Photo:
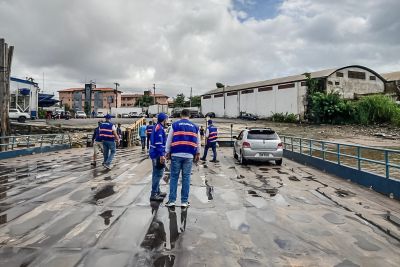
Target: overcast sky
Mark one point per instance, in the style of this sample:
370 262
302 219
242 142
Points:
179 44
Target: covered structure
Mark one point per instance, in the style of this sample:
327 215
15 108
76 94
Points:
24 96
288 94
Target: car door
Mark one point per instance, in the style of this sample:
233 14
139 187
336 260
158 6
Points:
238 141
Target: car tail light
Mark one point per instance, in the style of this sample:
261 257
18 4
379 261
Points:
246 145
280 146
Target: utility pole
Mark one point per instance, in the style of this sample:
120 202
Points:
154 94
6 54
190 99
116 94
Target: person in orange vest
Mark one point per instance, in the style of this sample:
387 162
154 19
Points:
211 141
108 134
183 147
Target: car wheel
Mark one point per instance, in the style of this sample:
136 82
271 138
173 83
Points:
242 159
278 162
21 119
234 153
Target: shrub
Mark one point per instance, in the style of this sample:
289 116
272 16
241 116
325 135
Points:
376 109
284 117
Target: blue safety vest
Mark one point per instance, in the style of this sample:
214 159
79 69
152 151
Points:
149 129
106 132
157 142
212 134
184 138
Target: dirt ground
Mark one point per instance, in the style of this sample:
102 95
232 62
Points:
377 136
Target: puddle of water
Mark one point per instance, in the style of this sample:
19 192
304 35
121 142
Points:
271 191
282 243
364 244
347 263
317 232
104 192
294 178
106 215
344 193
333 218
209 191
164 261
249 263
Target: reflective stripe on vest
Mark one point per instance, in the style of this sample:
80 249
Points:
149 129
106 132
212 134
184 138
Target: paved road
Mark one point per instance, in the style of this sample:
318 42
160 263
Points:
57 210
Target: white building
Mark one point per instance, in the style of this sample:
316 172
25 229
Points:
24 96
288 94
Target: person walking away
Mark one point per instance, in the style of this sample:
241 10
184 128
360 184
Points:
157 155
119 132
97 143
149 130
183 147
142 134
202 133
211 141
108 133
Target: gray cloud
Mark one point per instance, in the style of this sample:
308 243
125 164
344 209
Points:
189 43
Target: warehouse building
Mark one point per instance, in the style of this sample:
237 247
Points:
288 94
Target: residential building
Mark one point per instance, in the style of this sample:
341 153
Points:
101 98
288 94
130 99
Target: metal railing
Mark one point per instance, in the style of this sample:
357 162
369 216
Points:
16 142
379 161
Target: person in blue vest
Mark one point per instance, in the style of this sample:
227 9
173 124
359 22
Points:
183 147
157 155
149 130
97 143
142 134
211 141
108 134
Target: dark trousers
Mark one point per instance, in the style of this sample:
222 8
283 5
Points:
148 141
213 146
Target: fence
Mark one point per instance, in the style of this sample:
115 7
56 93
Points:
18 145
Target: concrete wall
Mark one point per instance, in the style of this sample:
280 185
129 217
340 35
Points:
349 86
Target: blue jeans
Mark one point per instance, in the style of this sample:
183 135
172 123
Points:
156 177
109 151
148 141
143 141
213 146
179 164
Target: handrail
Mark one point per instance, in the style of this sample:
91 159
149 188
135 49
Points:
16 142
390 157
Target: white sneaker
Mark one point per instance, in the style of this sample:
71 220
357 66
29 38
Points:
170 204
185 204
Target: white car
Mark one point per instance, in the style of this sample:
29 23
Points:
80 115
15 114
100 114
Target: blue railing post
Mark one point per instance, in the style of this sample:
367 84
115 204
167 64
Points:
13 142
310 147
301 148
291 142
28 142
359 158
323 150
338 154
387 163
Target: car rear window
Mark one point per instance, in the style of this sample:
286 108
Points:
262 135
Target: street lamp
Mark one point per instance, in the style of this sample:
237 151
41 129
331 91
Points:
116 94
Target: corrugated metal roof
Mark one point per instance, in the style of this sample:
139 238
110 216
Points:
283 80
391 76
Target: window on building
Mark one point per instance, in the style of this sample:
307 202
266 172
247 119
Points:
231 93
339 74
249 91
206 97
218 95
337 83
303 84
356 75
265 88
372 78
330 82
286 86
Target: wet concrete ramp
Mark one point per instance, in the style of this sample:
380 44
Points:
57 210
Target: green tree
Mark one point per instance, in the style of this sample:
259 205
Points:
179 101
196 101
144 101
